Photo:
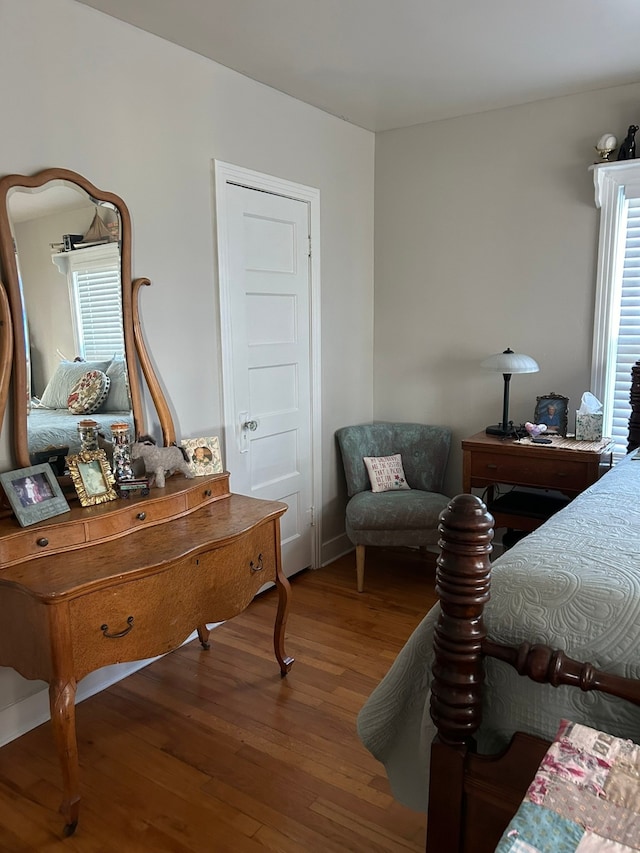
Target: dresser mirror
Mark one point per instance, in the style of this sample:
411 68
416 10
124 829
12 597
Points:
72 306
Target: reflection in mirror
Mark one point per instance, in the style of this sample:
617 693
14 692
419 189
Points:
68 259
65 256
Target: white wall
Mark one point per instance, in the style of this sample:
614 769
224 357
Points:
145 119
486 237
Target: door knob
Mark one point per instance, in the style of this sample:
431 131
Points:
251 425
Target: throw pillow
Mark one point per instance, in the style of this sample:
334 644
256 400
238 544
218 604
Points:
89 393
386 473
119 399
67 374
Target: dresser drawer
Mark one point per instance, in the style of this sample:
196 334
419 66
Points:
150 616
211 489
39 542
240 570
554 472
137 514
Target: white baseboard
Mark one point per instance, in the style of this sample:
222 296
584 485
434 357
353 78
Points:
334 548
28 713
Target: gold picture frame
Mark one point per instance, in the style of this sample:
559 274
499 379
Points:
92 477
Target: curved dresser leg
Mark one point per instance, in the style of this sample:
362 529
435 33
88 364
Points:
203 636
62 702
284 597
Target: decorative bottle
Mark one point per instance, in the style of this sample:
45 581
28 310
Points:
88 431
122 469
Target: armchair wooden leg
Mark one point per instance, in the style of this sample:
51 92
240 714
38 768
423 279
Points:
360 567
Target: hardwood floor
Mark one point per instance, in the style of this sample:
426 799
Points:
213 751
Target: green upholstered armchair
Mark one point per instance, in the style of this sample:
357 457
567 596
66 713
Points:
401 516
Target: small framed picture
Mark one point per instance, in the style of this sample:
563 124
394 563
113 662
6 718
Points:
204 455
552 410
92 477
34 493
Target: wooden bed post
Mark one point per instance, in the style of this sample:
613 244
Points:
462 582
634 399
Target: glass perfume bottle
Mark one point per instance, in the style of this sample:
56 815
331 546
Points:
122 469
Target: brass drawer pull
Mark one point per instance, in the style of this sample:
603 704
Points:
207 493
259 567
491 465
123 633
141 516
42 542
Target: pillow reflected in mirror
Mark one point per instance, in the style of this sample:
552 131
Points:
119 398
67 374
89 393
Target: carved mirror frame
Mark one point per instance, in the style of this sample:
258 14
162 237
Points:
13 312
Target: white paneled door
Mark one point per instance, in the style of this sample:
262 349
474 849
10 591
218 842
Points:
264 253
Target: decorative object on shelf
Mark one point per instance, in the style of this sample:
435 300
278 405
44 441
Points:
507 363
55 456
534 430
160 461
121 464
628 146
88 431
589 418
203 455
551 410
34 493
92 477
605 146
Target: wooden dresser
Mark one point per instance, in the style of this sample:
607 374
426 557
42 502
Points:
128 580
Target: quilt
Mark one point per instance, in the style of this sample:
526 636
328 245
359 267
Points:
584 798
573 584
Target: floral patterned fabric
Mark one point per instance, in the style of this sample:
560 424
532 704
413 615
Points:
585 797
89 393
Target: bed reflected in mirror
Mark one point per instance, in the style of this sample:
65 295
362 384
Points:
68 258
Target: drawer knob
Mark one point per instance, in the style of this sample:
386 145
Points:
118 634
141 516
42 542
207 493
257 567
491 465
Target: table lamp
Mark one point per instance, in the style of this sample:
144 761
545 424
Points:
508 362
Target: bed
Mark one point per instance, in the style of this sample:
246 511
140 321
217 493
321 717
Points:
53 422
459 729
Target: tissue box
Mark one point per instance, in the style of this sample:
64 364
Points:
588 427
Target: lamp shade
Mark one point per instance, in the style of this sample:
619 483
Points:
506 363
510 362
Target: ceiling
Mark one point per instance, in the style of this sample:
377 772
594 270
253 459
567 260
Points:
384 64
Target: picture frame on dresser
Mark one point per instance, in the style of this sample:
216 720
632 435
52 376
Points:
34 493
92 477
552 410
203 455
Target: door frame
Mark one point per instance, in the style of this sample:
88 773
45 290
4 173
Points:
227 173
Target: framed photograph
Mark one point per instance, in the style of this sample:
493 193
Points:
204 455
92 477
55 456
34 493
552 410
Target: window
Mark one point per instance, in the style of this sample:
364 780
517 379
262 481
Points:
96 301
616 339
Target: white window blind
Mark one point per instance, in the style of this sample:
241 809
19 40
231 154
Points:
627 335
96 297
616 333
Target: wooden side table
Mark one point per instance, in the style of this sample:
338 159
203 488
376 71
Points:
566 466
